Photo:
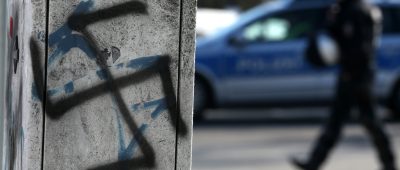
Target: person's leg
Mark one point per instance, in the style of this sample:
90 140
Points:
332 130
374 127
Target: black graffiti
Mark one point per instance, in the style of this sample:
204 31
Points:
56 110
14 102
16 56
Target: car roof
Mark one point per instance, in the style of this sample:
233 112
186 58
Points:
278 5
310 3
293 4
397 2
307 3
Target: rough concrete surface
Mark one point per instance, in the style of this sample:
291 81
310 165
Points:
3 67
186 81
115 82
23 115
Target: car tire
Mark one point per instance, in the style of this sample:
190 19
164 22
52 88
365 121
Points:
201 98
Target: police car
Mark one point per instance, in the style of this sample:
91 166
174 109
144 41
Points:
259 60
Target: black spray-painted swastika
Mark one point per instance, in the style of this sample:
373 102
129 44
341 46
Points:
161 67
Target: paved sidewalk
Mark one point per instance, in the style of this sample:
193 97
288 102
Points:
268 147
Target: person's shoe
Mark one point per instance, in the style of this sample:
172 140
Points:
389 169
389 166
300 164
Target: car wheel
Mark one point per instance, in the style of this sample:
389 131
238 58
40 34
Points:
201 96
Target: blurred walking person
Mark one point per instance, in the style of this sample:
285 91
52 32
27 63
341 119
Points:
355 26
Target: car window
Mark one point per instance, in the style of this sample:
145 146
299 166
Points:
391 17
387 20
283 26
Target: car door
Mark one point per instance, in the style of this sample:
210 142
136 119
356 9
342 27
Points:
265 60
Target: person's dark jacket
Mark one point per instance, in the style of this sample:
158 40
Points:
355 25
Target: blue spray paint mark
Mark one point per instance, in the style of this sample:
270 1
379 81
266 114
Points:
53 92
35 95
41 36
119 66
121 135
127 152
136 107
102 74
160 105
69 42
22 136
64 39
69 87
142 62
63 32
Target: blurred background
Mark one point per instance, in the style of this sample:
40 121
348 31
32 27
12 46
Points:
258 102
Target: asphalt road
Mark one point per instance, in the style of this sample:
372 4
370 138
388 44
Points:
255 140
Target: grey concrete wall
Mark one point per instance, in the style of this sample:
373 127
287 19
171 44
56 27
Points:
187 60
3 14
23 114
115 78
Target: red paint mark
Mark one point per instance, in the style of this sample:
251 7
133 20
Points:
11 26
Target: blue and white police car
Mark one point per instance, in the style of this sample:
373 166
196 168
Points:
259 60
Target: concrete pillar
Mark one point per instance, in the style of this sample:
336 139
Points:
100 84
3 14
23 115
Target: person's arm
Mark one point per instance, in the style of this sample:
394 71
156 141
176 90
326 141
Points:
371 26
